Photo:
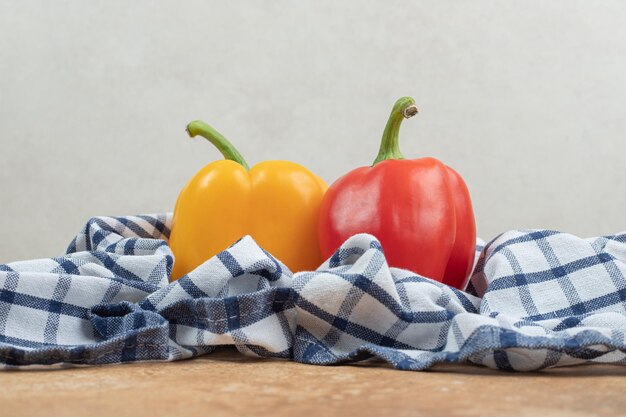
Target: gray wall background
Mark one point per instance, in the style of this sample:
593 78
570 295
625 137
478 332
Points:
525 99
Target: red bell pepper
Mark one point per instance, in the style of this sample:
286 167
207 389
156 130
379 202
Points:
420 210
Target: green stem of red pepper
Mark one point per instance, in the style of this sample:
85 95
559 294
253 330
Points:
227 149
389 148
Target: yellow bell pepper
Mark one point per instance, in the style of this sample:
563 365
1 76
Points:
276 202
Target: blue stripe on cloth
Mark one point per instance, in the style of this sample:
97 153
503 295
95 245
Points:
38 303
232 312
55 309
230 263
594 304
67 266
190 287
159 225
110 263
526 278
463 298
344 325
136 228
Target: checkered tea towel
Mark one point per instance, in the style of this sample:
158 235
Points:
537 299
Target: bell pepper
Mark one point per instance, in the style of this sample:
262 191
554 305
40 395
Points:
276 202
420 210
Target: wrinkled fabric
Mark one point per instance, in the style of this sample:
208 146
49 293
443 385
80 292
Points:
536 299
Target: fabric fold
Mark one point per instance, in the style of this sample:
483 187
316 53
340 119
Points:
536 299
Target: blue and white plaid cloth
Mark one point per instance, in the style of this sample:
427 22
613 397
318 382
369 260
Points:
537 299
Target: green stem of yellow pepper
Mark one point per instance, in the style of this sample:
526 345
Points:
227 149
389 148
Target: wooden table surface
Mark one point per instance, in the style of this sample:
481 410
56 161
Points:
228 384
